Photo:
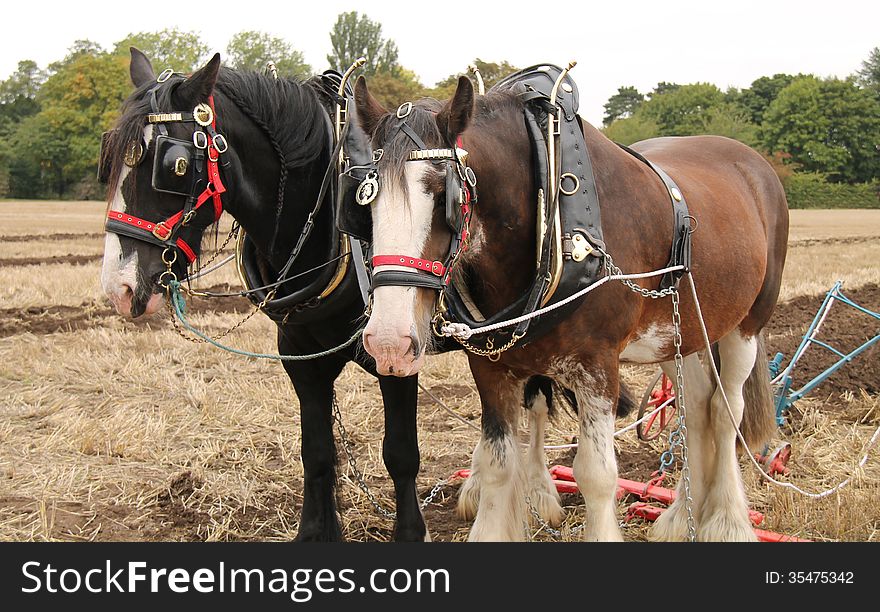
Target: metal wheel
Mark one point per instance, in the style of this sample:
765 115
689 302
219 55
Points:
662 397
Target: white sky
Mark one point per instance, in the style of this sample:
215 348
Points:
630 42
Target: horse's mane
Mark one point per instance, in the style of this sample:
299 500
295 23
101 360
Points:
288 110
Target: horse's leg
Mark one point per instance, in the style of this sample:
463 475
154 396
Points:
595 466
501 509
313 382
672 524
400 450
539 485
725 514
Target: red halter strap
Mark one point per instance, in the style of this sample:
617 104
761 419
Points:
424 265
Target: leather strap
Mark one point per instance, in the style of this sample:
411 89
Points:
146 231
422 265
413 136
681 228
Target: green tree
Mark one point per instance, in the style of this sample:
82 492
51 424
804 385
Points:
168 48
869 74
682 110
632 129
830 126
353 36
732 121
622 104
492 72
252 50
18 95
393 89
663 87
17 102
761 93
78 102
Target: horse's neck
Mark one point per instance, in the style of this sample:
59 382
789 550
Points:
252 184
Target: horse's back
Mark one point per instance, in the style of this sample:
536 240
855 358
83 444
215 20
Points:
736 198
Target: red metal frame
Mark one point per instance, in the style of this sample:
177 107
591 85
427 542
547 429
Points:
563 480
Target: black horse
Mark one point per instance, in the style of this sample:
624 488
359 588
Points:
269 143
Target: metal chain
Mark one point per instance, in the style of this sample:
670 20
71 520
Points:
556 533
257 308
492 353
679 436
612 270
361 481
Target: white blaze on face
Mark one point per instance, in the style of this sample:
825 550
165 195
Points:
119 276
400 227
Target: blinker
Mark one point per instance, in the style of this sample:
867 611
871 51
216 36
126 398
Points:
173 170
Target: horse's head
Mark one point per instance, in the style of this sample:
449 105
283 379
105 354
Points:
156 162
420 218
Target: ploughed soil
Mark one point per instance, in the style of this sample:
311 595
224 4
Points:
51 319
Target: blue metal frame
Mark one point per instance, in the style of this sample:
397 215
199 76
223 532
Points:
785 396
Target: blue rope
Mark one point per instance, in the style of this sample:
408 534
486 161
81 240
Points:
179 305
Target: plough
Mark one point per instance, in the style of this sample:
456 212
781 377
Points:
774 462
563 480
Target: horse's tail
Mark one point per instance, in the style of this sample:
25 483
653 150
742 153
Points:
759 416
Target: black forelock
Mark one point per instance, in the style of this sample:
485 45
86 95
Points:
396 144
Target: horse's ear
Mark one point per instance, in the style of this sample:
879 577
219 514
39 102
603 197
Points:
369 111
140 68
456 114
200 85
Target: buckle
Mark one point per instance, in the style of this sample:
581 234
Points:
200 139
404 110
437 268
220 144
161 231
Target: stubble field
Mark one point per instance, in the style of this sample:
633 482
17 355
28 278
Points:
120 430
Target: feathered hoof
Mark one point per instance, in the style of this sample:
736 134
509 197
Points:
469 498
726 526
671 526
546 503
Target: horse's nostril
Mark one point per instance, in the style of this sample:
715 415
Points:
127 291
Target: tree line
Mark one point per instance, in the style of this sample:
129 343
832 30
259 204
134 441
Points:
51 118
823 132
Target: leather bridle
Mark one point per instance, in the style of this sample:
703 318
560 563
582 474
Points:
188 168
461 196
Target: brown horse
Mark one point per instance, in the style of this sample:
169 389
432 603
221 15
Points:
738 254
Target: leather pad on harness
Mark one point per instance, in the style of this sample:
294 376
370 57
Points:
174 166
